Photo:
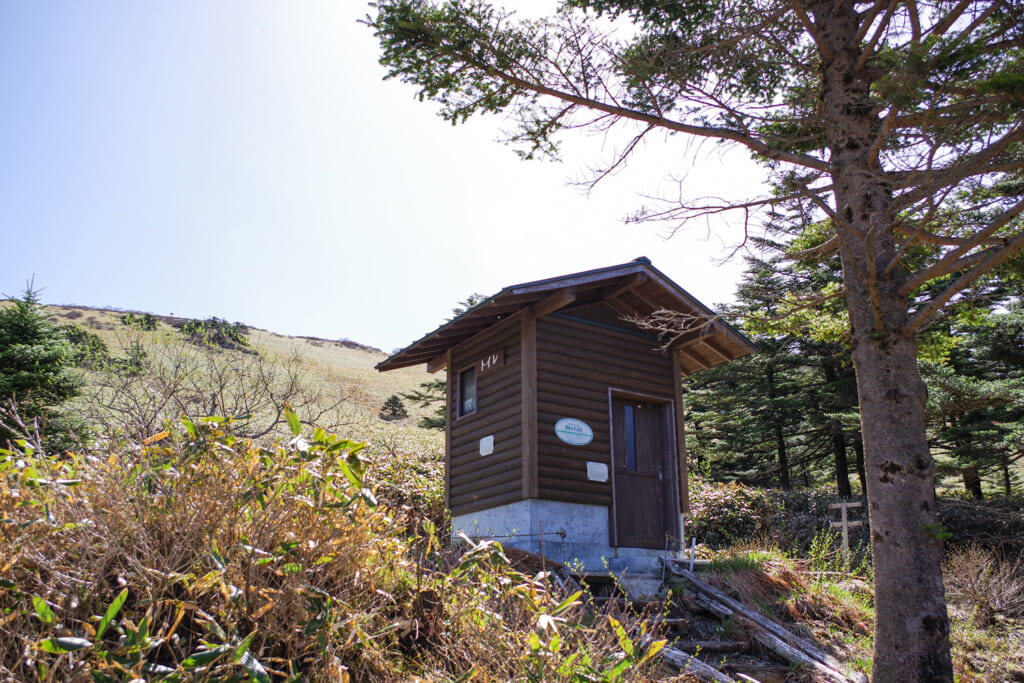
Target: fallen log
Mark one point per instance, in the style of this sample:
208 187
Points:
713 646
691 665
757 673
768 633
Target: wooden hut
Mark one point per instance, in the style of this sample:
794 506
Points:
564 426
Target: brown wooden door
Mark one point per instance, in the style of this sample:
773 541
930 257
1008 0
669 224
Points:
641 456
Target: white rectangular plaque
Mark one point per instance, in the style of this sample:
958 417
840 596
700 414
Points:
597 471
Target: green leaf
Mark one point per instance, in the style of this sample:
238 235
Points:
204 657
653 650
242 647
616 671
190 427
58 646
111 612
352 477
566 604
253 666
43 610
291 568
625 642
293 420
218 560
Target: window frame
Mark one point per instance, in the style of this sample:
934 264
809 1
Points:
459 408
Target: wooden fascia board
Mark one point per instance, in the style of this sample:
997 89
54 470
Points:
710 337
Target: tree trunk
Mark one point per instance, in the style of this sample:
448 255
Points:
858 449
912 626
972 482
1007 479
780 437
835 429
842 466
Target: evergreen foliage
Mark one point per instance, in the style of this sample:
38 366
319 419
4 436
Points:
88 350
144 321
393 408
217 332
897 127
431 393
36 375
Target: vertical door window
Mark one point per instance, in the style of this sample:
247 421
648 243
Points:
467 391
630 420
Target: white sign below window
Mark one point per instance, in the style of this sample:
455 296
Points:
597 471
487 445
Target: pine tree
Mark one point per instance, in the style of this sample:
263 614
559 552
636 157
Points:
36 375
393 408
898 124
431 393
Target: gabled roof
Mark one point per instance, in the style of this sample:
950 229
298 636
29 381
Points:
633 289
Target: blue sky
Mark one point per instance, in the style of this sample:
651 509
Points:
245 160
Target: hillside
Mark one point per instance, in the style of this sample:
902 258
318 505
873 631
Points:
347 364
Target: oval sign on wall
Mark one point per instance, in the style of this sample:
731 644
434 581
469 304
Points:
574 432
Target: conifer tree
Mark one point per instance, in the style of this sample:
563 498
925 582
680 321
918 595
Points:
36 374
899 124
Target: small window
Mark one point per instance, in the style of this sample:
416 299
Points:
630 439
467 391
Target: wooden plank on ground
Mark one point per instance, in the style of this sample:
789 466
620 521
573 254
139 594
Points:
769 633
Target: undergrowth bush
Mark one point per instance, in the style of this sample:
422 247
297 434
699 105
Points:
724 514
985 583
217 332
201 556
146 322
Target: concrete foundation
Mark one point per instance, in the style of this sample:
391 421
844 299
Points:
574 534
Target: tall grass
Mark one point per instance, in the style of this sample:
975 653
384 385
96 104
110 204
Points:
202 556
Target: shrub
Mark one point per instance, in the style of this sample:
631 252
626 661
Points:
984 583
393 409
217 332
88 350
199 556
723 514
431 393
36 376
144 321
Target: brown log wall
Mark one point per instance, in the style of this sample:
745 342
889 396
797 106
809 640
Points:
476 481
577 363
